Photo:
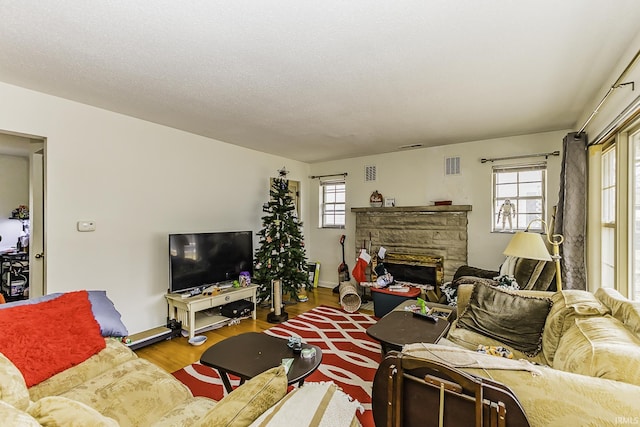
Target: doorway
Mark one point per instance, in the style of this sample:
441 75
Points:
26 236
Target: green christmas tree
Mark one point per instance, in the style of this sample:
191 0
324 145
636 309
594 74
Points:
281 254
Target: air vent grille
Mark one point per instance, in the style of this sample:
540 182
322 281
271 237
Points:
452 166
369 173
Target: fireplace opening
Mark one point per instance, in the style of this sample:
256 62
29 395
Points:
418 269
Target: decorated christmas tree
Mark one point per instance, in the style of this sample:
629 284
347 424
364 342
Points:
281 254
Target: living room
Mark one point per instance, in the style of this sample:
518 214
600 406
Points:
140 180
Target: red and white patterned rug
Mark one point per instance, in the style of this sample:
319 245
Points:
350 357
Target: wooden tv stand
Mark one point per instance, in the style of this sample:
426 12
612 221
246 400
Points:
189 310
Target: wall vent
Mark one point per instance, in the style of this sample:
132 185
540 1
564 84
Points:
369 173
452 166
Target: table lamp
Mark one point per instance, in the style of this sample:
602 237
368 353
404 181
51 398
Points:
526 244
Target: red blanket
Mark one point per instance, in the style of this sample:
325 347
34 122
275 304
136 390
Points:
46 338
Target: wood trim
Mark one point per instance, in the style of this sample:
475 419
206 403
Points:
443 208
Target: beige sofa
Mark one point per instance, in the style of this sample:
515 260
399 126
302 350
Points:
586 371
116 388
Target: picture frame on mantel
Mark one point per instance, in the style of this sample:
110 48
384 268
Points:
389 202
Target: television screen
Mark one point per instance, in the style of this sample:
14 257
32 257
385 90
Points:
199 260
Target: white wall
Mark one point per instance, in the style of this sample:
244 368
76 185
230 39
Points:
139 181
416 178
14 191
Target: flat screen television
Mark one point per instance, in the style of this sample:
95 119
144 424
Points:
199 260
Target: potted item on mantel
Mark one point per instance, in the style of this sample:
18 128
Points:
375 200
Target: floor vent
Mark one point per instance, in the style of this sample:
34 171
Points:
452 166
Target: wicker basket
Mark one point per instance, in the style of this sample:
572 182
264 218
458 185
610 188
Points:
349 298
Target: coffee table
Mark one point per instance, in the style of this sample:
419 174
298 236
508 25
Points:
401 327
249 354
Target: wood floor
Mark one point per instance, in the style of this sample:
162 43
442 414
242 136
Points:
177 353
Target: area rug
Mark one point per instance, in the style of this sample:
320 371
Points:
350 357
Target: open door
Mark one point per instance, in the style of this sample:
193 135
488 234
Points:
37 285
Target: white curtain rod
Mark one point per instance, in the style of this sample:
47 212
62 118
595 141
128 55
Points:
545 155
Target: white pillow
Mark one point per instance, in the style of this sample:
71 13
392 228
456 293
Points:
317 404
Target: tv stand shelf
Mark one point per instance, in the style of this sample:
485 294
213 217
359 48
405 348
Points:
189 310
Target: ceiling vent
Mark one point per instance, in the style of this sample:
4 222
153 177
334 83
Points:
369 173
452 166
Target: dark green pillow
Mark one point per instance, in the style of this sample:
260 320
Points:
515 320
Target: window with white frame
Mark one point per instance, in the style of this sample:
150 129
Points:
634 288
333 203
608 227
519 196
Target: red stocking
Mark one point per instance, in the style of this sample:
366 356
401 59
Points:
361 266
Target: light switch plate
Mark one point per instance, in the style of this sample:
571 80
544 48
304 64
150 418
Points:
86 226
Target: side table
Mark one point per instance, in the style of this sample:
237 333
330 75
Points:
401 327
247 355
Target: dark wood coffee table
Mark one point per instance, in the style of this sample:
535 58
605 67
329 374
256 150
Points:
249 354
398 328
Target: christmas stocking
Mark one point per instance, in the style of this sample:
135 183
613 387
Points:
361 265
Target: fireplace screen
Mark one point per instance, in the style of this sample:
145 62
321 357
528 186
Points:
419 269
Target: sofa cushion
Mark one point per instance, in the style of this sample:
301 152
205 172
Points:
54 335
471 341
187 413
115 353
515 320
136 392
626 311
567 306
246 403
56 411
12 416
557 398
600 347
13 389
318 401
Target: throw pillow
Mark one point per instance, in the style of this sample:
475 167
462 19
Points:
54 411
54 336
106 314
515 320
309 404
247 402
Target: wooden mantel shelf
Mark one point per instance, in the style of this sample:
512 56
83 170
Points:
442 208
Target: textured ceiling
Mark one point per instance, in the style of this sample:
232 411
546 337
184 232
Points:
316 81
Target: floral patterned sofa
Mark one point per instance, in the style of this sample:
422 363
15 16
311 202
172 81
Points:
581 351
113 387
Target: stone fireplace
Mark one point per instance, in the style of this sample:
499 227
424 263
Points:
434 237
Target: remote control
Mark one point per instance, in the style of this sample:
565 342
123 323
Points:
429 317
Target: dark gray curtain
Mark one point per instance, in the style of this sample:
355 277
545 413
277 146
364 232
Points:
571 215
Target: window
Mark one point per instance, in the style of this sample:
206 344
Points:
634 288
608 227
519 195
332 204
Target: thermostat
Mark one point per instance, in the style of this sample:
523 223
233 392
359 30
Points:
86 226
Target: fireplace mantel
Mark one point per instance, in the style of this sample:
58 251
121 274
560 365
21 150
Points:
441 208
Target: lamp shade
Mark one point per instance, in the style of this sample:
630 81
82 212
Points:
527 245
